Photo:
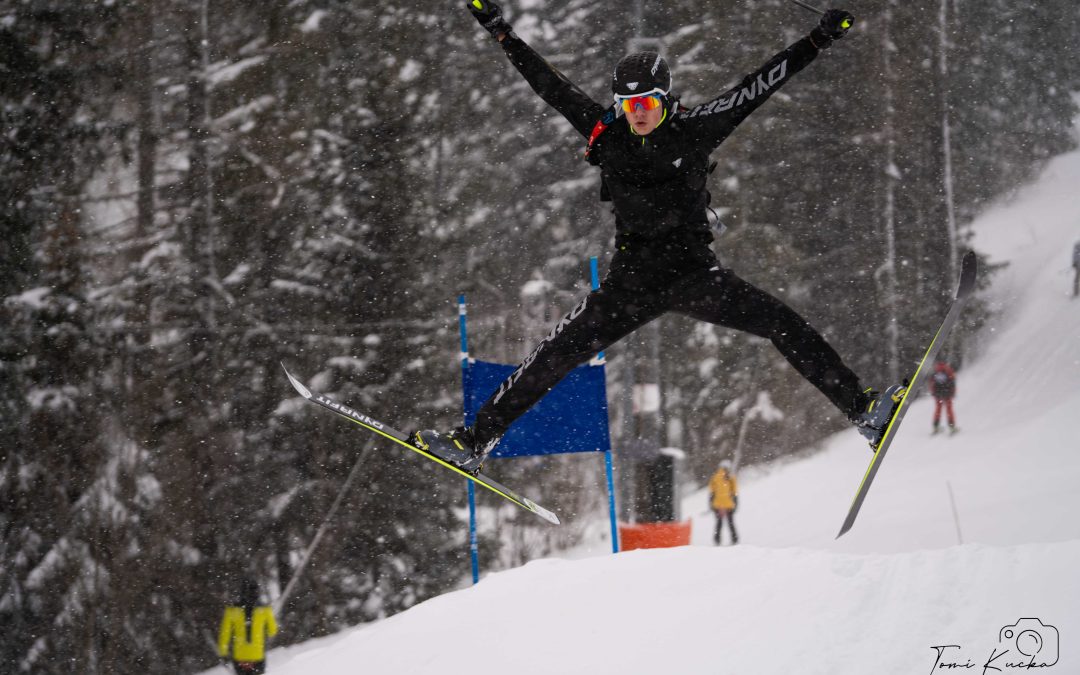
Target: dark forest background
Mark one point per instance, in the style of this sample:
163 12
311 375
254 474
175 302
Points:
194 191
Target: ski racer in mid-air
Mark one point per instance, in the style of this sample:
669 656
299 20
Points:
653 156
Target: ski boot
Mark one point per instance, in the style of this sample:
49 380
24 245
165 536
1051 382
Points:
457 448
879 412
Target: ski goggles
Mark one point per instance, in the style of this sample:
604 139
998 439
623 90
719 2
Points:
650 100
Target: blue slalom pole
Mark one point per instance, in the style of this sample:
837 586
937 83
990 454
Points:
609 468
594 277
474 548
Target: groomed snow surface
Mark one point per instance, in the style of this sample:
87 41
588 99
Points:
792 599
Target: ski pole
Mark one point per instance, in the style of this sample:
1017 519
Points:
800 3
809 7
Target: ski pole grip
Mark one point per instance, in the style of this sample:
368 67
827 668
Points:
845 24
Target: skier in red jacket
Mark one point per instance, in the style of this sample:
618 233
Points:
943 388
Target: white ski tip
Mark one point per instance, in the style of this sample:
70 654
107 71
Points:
542 512
296 383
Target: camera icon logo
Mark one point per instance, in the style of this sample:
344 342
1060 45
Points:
1032 638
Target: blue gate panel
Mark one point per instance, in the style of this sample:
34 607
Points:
572 417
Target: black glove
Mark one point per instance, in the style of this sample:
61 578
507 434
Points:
834 25
489 14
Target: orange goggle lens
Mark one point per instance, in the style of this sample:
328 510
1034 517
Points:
651 102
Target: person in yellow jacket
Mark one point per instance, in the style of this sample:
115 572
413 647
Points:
245 627
724 499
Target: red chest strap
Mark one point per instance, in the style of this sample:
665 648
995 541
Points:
603 123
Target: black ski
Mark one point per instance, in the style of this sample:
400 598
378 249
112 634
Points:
963 292
388 432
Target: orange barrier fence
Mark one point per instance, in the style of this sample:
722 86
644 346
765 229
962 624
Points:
653 535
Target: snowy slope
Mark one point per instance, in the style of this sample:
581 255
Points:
791 599
706 610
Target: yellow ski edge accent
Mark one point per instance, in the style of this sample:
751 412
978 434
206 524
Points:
888 429
526 504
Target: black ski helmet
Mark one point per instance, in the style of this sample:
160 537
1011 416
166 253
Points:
640 73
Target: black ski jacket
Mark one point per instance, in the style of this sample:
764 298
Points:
656 183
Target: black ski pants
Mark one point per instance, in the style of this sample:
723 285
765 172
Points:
721 515
623 304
